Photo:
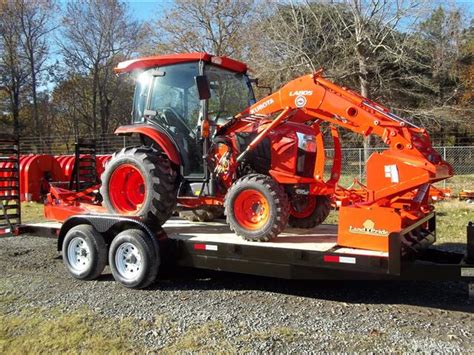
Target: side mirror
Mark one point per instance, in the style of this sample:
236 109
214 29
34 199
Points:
203 87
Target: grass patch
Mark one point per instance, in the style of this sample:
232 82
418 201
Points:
8 299
452 217
37 330
54 330
458 183
32 212
203 338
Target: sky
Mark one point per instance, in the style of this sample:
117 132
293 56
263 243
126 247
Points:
152 9
149 9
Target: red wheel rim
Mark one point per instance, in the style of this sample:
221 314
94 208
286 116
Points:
302 206
127 189
251 209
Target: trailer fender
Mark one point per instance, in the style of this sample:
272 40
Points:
158 136
109 227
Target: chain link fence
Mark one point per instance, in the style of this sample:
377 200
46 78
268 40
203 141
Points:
64 145
461 158
353 164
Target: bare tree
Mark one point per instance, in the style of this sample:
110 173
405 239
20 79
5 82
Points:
96 35
372 33
34 23
220 27
292 42
360 42
13 71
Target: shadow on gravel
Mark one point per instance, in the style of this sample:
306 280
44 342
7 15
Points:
451 246
432 294
446 295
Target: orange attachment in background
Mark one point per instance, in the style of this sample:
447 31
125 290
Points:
67 164
100 161
36 173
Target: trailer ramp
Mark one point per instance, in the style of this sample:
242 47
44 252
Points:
10 206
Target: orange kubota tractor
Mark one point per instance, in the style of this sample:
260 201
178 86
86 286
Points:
206 142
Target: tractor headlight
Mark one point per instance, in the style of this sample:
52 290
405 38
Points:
306 142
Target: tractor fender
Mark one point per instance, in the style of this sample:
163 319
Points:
157 135
109 226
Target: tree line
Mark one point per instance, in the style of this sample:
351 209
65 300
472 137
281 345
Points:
57 59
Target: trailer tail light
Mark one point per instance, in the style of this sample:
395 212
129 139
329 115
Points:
5 231
205 247
339 259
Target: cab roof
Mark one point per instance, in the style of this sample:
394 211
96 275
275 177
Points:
169 59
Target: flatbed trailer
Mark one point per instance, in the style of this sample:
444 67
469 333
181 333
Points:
295 254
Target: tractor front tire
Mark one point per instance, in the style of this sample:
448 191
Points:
140 181
256 207
313 211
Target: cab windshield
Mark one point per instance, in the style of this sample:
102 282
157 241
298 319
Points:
170 93
168 97
231 92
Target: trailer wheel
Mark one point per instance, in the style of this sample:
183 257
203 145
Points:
309 211
84 252
140 181
256 207
134 259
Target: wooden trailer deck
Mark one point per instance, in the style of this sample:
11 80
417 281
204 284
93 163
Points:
320 239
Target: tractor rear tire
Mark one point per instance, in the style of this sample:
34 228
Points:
140 181
257 208
319 211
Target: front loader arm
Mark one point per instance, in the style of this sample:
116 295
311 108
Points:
408 165
314 98
320 99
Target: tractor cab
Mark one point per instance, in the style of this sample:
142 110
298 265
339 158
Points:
169 97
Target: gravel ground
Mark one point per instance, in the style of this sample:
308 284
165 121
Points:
210 311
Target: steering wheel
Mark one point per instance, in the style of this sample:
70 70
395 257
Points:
173 118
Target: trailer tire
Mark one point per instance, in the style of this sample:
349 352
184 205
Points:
256 207
84 252
316 213
134 259
153 195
